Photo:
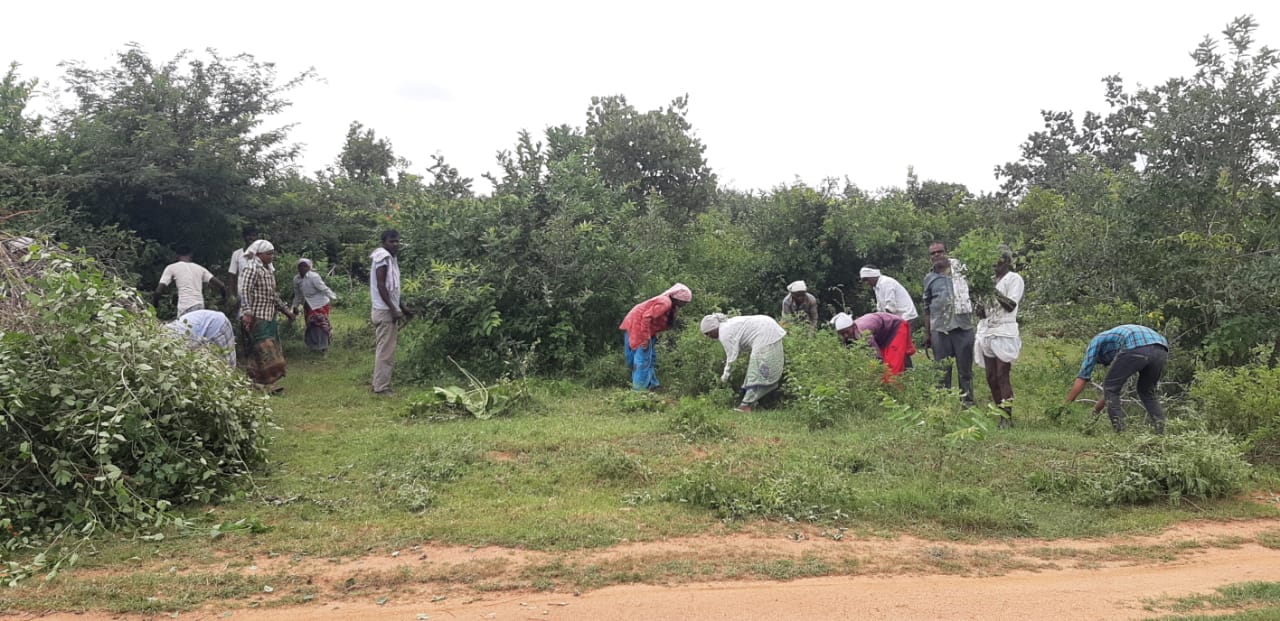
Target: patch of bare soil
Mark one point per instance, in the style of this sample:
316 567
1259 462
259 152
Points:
901 578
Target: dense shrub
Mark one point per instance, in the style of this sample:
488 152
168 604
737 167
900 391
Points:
689 363
106 419
1244 402
828 382
1194 464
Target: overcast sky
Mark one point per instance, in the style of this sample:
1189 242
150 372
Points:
777 90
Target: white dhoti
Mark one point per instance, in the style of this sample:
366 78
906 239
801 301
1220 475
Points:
1001 341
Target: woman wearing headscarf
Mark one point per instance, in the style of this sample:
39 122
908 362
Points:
259 302
758 334
640 330
313 295
888 335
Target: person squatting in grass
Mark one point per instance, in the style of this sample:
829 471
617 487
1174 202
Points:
887 334
310 292
998 342
265 359
640 329
760 335
948 318
188 278
1128 350
800 302
388 312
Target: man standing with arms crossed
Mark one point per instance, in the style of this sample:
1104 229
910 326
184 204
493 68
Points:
388 311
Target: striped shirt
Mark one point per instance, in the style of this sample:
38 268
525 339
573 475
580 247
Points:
1104 347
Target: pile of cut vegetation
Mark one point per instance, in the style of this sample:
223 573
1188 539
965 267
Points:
107 420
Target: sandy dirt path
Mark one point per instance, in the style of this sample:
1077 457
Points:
1068 591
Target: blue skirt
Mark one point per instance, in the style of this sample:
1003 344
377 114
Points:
641 362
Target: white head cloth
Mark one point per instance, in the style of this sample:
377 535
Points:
259 247
797 287
869 272
842 321
307 262
711 322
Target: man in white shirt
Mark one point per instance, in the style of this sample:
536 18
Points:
891 297
189 279
388 311
238 261
998 342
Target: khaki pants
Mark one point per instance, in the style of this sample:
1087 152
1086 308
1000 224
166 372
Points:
385 332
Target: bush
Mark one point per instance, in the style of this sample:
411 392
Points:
107 419
689 363
1244 402
831 383
1195 464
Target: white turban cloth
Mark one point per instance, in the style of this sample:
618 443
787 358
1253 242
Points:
869 272
711 322
306 262
842 321
797 287
259 247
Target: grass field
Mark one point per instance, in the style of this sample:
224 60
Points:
351 475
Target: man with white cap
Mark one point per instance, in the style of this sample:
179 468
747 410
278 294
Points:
887 334
891 296
799 301
758 334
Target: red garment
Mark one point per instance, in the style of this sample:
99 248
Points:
647 319
320 318
895 355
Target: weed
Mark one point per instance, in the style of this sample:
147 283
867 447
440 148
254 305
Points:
612 464
695 420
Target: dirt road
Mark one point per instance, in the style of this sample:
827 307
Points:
1083 582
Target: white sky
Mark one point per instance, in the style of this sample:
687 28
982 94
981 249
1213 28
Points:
777 90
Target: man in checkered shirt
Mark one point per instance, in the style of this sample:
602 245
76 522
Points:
1128 350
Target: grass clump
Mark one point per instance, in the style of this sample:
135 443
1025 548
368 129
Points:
1249 600
413 480
609 463
698 420
792 493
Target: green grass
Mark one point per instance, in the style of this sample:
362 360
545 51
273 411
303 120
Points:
1245 601
578 468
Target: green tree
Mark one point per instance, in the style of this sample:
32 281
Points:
651 153
173 150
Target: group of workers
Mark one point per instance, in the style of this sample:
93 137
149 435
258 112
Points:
257 304
949 331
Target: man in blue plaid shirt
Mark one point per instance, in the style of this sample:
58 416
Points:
1127 350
